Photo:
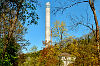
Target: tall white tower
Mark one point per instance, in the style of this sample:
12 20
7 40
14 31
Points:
47 23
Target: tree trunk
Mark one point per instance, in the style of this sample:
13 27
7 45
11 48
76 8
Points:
12 27
0 29
61 40
97 27
95 18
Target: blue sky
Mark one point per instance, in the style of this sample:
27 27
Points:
36 33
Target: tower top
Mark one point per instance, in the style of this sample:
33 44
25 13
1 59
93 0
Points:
48 5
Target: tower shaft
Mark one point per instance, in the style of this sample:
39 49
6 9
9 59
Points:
47 23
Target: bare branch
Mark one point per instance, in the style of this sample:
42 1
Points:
74 4
63 8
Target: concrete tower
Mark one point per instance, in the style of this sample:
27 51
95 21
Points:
47 23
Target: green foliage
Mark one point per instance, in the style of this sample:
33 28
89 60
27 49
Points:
1 50
29 59
10 55
85 52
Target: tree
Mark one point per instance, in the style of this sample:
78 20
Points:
84 51
59 30
15 11
29 59
13 17
49 56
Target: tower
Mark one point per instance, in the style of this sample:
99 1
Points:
47 24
